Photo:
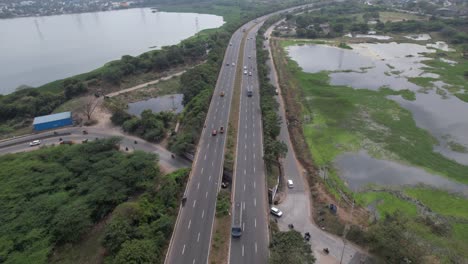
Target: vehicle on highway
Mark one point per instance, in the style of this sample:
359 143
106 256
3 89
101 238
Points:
276 212
230 44
250 57
34 143
249 91
227 64
276 91
221 94
290 184
250 73
236 229
214 132
221 130
245 72
245 67
233 64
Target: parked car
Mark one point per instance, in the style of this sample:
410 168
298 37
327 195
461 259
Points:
34 143
276 212
214 132
221 130
290 184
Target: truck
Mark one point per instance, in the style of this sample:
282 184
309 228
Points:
249 91
236 229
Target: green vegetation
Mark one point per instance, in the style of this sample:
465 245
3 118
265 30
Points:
386 203
150 126
343 45
443 230
53 196
398 16
271 122
223 204
290 247
139 231
463 97
346 119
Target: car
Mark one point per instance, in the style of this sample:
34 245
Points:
34 143
245 72
221 94
276 212
66 142
221 130
290 184
276 91
245 67
250 73
214 132
233 64
250 57
227 64
230 44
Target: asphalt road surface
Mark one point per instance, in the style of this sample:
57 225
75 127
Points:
21 144
190 242
249 175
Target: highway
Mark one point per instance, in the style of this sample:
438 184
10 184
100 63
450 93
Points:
190 242
21 144
249 175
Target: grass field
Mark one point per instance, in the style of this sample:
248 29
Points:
398 16
386 203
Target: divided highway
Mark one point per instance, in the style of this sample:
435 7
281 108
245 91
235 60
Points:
249 175
191 239
190 242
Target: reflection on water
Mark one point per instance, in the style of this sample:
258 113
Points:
359 170
172 102
37 50
372 66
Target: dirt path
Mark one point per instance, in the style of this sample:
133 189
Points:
143 85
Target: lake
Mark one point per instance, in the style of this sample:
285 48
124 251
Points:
38 50
170 102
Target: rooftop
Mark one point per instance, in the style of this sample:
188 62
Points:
50 118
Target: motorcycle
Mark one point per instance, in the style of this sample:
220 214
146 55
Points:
326 251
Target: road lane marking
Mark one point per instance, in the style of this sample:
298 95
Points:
245 172
245 135
242 250
206 195
198 237
209 178
193 262
255 202
255 223
212 163
244 187
201 171
254 155
254 145
203 214
183 250
194 203
198 186
189 224
245 157
205 156
208 146
255 247
254 169
254 184
245 146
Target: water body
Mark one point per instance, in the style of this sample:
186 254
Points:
37 50
171 102
373 65
359 170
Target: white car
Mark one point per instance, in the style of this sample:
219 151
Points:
34 143
275 211
245 67
245 72
290 184
250 73
233 64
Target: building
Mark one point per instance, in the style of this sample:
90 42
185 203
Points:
41 123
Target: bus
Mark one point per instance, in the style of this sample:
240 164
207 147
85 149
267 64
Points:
236 229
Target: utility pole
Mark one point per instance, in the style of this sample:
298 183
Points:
344 234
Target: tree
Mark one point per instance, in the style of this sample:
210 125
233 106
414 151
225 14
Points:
70 222
137 251
90 105
73 87
290 247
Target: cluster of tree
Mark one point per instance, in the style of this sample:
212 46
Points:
391 239
139 231
53 195
150 126
27 103
290 247
273 148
